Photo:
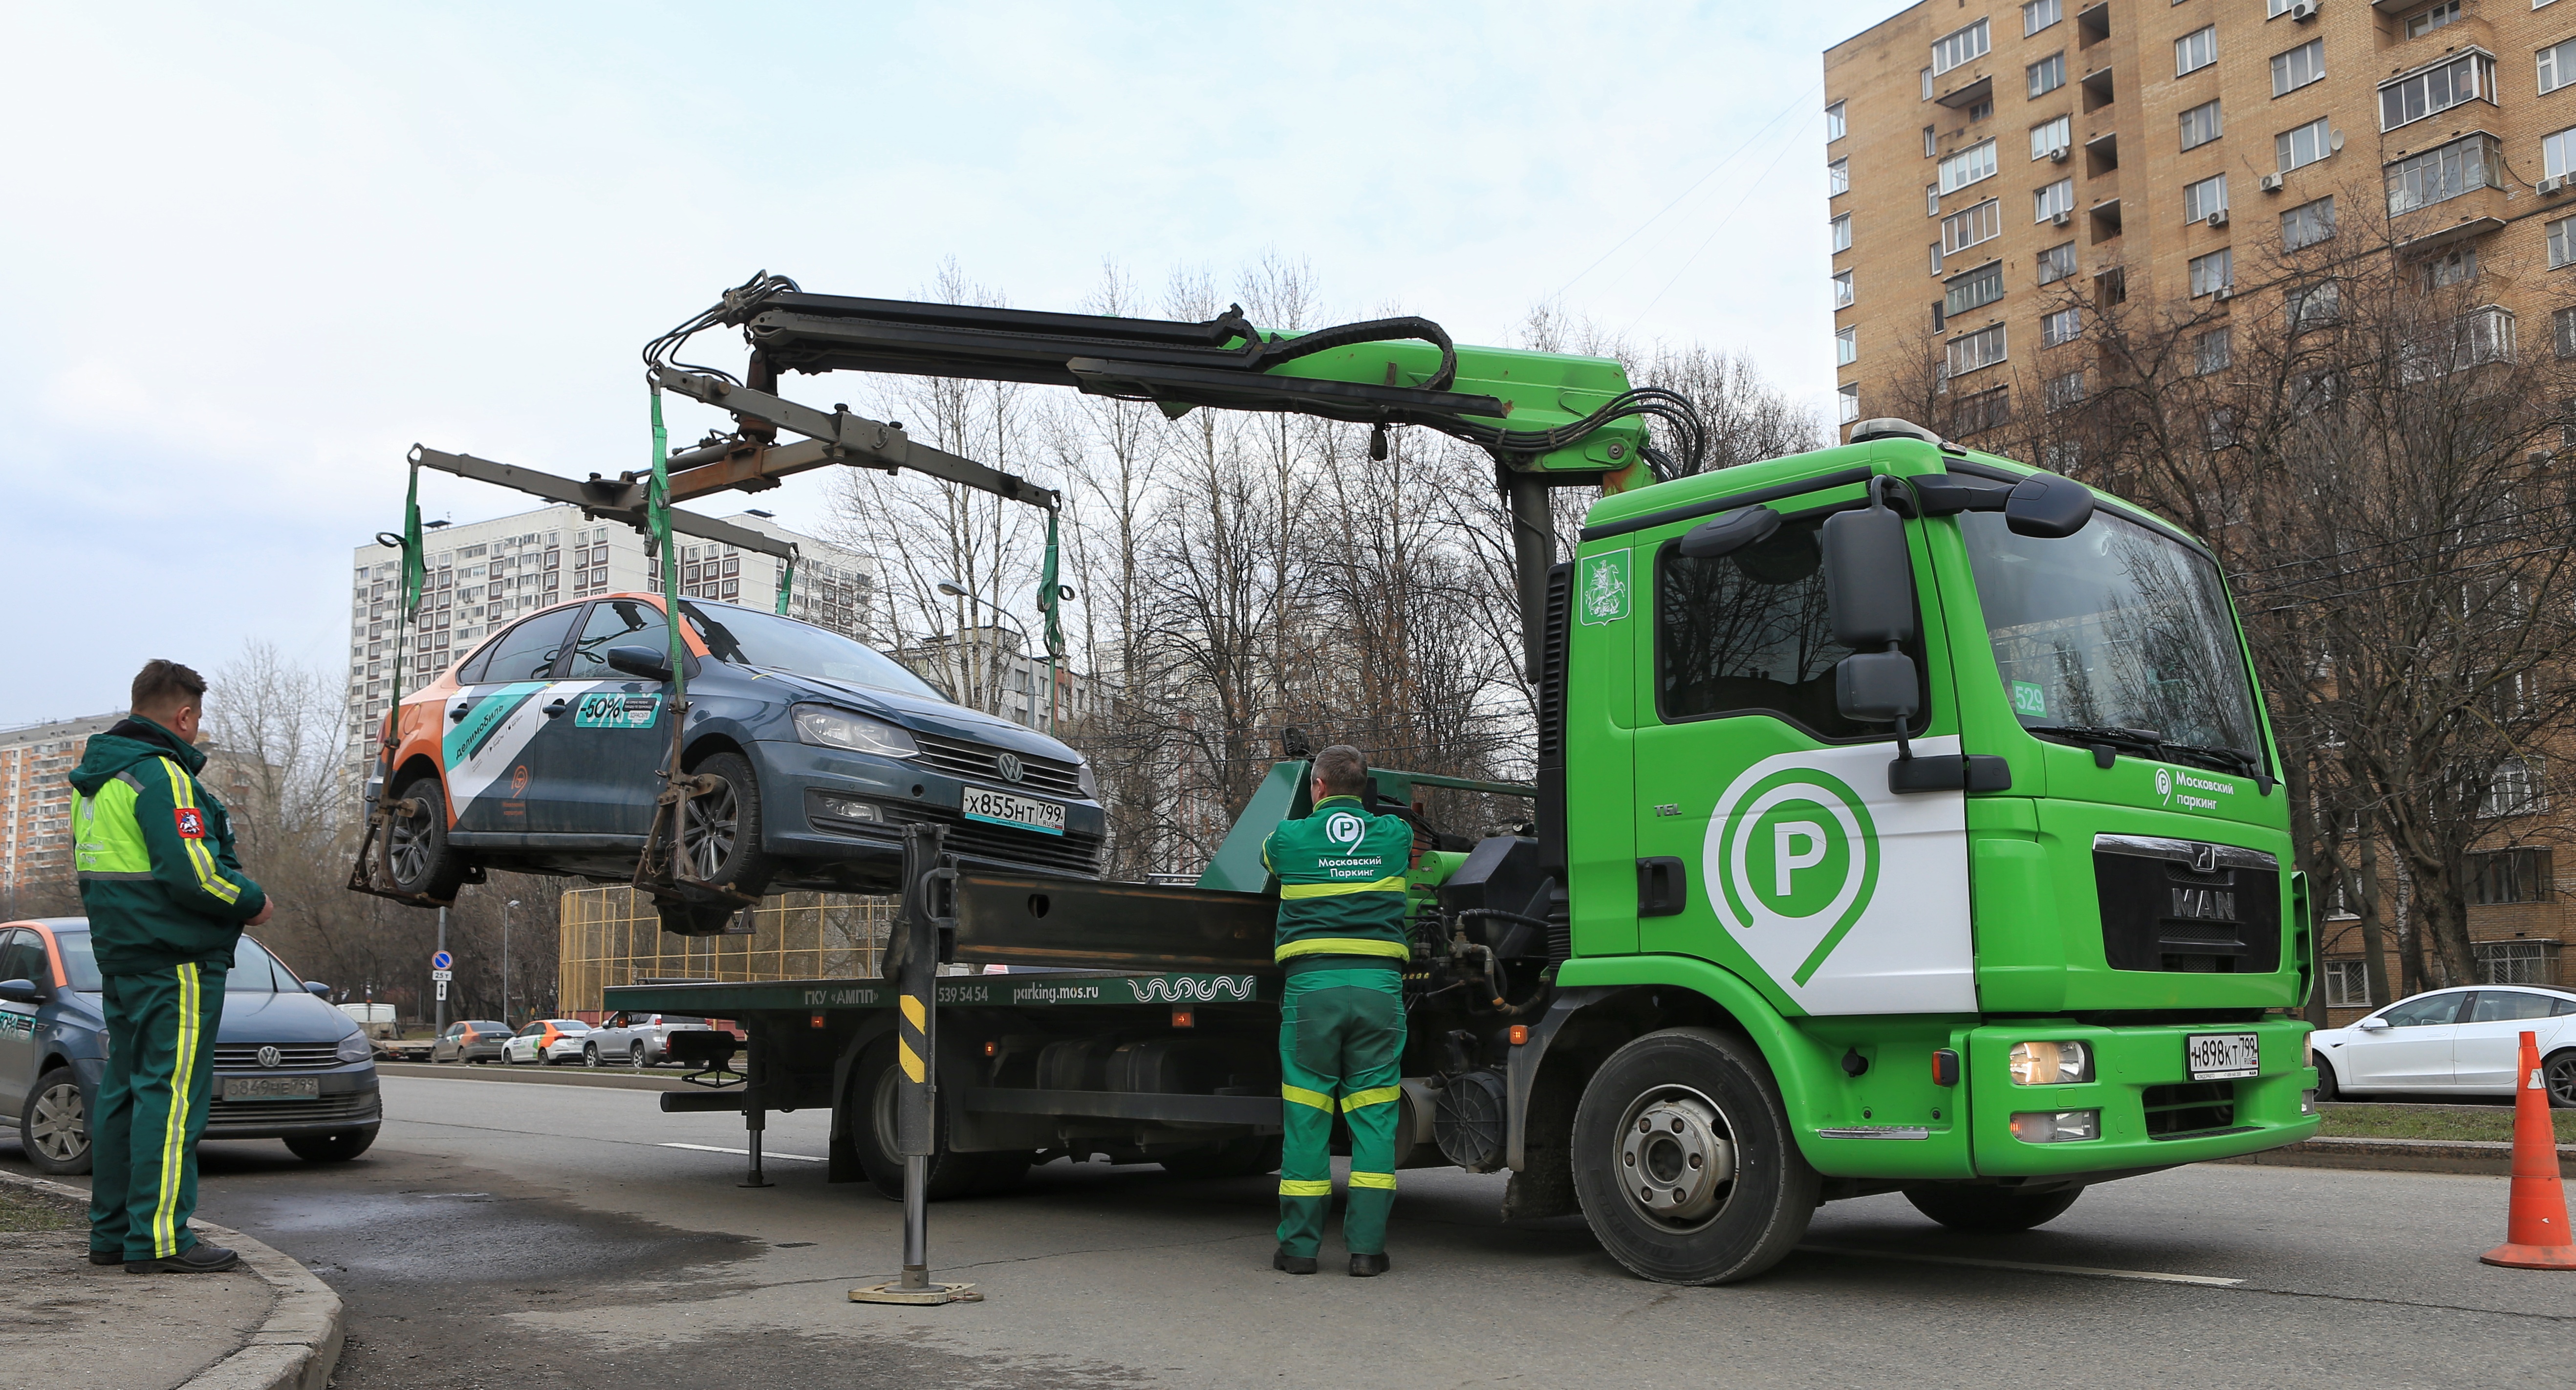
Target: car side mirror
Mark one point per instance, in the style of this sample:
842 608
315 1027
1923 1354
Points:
1877 687
2048 508
640 661
1869 579
2373 1025
24 992
317 989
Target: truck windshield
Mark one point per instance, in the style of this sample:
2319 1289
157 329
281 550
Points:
2116 634
742 637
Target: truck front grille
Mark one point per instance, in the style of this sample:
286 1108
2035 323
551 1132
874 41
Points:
2189 1107
982 763
2187 906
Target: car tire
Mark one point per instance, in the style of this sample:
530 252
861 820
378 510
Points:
590 1055
635 1057
2327 1088
416 857
1735 1192
1970 1207
873 1087
720 831
53 1130
338 1146
2558 1074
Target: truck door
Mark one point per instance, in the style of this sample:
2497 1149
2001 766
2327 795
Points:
1768 839
499 747
614 736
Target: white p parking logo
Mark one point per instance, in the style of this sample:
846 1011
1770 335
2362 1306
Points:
1786 862
1822 855
1345 829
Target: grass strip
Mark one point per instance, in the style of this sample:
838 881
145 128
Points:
2427 1122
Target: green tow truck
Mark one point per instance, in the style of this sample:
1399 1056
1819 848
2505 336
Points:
1905 819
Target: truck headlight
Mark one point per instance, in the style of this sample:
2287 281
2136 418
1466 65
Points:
2051 1063
356 1048
2057 1126
838 728
1090 784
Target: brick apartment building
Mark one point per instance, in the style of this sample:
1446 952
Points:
36 806
1999 169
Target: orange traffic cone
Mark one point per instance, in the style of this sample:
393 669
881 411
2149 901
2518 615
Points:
2535 1228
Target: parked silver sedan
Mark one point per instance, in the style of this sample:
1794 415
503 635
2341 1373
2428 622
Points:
636 1040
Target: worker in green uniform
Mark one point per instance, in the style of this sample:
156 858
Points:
167 902
1342 944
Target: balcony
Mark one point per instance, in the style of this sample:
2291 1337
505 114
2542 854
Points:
2101 154
2097 89
1981 87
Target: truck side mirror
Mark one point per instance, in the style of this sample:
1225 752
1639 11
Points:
1869 579
1730 533
2048 508
1878 687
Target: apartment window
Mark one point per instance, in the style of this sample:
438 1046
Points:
2562 247
2423 22
2313 305
2057 262
2063 326
2563 331
2307 224
1974 290
2213 272
1979 110
1843 290
2274 9
2509 876
2517 789
2048 202
2062 391
1936 258
1842 232
2458 266
2516 963
2196 50
2214 350
1960 46
2439 174
1983 348
1846 346
2039 14
2051 137
2558 153
1930 148
1983 411
2200 125
2436 89
2298 67
2557 67
2201 199
2482 335
1838 178
1931 200
1941 323
1847 403
2348 984
1974 164
1833 122
2046 75
1927 84
1966 228
2292 149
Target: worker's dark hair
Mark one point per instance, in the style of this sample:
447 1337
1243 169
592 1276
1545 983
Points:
1342 770
164 686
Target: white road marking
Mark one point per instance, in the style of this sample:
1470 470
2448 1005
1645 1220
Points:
746 1153
2152 1276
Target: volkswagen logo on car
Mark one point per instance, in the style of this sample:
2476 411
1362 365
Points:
269 1056
1008 764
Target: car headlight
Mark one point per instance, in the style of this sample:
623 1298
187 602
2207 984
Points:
1084 779
356 1048
2051 1063
838 728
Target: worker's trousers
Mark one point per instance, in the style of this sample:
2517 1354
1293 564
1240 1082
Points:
1340 1035
151 1108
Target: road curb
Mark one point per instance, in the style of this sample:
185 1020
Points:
2483 1157
295 1348
535 1076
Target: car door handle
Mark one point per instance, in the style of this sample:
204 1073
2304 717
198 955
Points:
557 708
457 711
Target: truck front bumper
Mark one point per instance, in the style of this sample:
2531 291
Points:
2150 1112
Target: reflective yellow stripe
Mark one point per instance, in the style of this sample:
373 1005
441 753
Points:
1379 1095
1312 1100
1300 1187
209 878
174 1130
1345 946
910 1059
1293 891
1384 1180
913 1014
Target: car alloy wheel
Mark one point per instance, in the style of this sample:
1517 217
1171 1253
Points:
708 828
635 1056
57 1122
590 1056
2559 1075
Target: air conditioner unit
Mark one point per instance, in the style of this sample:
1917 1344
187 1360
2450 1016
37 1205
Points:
2218 218
2550 188
2304 11
2269 183
2057 155
2060 219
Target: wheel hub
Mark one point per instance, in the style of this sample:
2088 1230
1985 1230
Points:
56 1125
1675 1161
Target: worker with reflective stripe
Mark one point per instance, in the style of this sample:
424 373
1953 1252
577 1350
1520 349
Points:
167 902
1341 1013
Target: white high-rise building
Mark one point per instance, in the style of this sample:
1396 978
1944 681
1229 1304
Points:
484 574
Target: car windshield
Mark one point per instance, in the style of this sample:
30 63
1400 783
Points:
2116 628
79 965
255 971
743 637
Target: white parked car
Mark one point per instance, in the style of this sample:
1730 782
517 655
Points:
548 1041
636 1040
2454 1041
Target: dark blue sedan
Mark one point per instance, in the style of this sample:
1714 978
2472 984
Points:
287 1065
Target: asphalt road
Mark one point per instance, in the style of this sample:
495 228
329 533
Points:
515 1235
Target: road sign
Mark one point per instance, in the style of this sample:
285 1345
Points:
442 976
442 962
442 991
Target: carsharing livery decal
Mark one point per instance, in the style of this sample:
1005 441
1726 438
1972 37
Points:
484 747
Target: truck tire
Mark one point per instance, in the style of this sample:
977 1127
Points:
1684 1161
54 1129
416 857
1971 1207
1234 1158
873 1088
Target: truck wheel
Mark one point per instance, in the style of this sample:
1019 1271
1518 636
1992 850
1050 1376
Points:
720 830
1684 1161
54 1130
417 858
874 1086
338 1146
1967 1207
1235 1158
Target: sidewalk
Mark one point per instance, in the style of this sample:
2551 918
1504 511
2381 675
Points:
66 1324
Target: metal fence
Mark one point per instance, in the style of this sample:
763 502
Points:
610 937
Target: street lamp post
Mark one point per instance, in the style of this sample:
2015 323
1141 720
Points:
505 958
953 589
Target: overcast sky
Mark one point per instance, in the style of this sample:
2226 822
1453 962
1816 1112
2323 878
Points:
254 252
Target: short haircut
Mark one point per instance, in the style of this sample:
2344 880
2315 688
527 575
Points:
166 686
1342 770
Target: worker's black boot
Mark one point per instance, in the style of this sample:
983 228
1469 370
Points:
200 1258
1292 1264
1368 1266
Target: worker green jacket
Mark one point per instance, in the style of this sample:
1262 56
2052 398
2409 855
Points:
154 850
1341 884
